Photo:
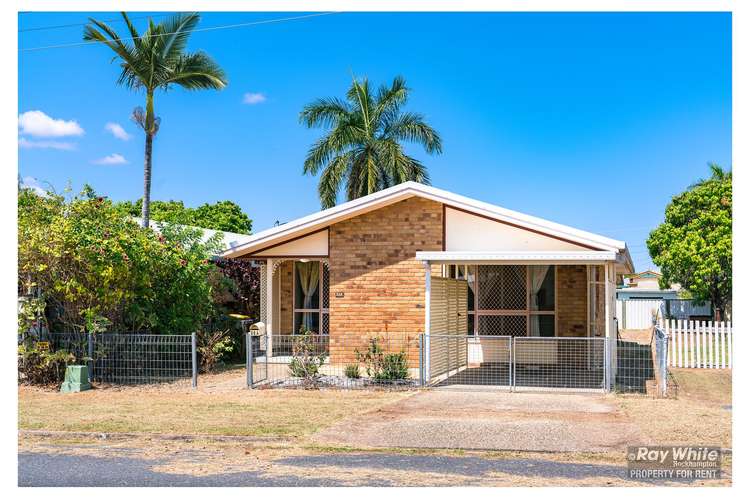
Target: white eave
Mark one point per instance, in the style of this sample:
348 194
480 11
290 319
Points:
575 257
406 190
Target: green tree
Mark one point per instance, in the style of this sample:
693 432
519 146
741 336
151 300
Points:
693 246
154 60
222 215
363 149
97 269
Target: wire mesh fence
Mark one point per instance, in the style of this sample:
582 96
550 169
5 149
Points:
388 361
642 364
512 363
457 360
130 358
559 363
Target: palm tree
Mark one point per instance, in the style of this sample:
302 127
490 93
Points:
717 174
157 59
363 147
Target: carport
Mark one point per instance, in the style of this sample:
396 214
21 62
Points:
523 320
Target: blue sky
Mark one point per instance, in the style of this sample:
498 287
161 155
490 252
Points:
591 120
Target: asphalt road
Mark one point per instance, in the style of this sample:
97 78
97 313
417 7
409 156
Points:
44 469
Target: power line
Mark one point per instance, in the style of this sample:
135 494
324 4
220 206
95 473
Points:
211 28
72 25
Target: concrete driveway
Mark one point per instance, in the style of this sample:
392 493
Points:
491 420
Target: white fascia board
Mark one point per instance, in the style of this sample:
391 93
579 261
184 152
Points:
588 257
406 190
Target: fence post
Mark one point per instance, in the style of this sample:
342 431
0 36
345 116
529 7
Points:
194 349
421 361
91 356
249 359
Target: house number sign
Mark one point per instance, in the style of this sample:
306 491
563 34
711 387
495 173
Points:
339 295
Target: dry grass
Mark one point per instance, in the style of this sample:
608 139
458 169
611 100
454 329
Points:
696 416
239 412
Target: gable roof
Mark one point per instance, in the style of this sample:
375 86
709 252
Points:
389 196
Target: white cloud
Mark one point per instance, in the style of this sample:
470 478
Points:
253 98
31 144
117 130
38 124
33 184
113 159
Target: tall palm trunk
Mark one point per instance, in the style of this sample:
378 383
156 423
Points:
146 208
150 129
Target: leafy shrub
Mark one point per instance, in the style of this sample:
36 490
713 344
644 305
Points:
212 347
395 367
382 366
306 358
98 269
372 358
38 367
352 371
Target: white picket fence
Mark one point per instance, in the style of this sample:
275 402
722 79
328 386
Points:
699 344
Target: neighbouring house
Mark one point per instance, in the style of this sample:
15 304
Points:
641 301
645 285
413 259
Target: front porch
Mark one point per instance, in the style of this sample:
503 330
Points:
470 307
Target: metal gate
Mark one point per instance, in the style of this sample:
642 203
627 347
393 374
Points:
256 359
516 363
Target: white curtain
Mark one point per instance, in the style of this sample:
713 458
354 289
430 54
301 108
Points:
537 275
308 274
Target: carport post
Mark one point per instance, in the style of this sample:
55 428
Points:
421 360
427 313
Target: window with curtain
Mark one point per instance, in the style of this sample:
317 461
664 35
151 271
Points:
310 297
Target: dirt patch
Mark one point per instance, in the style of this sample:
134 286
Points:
700 414
490 420
158 410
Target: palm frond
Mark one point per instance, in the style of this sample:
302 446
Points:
324 112
331 178
196 71
390 99
412 127
176 32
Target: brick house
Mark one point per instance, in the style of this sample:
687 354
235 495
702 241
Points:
413 259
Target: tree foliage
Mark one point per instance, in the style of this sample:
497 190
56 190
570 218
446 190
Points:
98 270
693 246
222 215
363 149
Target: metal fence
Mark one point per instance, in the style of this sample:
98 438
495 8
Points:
642 364
123 358
320 361
512 363
578 363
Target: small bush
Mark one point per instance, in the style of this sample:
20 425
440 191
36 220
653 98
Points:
306 360
38 367
352 371
212 347
395 367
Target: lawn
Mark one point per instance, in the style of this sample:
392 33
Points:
699 415
238 412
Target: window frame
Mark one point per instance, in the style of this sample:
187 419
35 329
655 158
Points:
320 310
451 271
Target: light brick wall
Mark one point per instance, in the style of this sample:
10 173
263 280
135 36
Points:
571 301
372 264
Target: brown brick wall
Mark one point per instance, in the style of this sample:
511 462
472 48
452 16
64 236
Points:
571 301
372 264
